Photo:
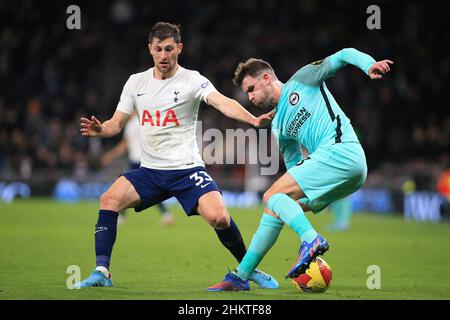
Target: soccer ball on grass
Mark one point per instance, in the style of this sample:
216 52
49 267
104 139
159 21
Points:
316 279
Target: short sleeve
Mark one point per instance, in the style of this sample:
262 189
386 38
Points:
127 98
202 87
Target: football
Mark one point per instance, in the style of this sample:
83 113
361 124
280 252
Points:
316 279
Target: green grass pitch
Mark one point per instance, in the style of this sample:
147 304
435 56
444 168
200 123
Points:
40 238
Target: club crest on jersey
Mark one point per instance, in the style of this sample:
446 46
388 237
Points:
294 98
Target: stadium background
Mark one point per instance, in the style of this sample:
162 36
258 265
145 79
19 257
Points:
50 76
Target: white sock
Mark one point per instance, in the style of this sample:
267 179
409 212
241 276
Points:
103 270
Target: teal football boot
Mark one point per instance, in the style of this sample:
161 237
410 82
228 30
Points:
96 279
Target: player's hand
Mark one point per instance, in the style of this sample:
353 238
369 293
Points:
90 128
379 68
264 119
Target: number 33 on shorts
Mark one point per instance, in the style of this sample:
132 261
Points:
200 177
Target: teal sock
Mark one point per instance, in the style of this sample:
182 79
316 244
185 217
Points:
292 214
263 239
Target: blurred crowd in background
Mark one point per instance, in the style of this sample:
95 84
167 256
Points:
50 76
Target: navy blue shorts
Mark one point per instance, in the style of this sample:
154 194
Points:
187 186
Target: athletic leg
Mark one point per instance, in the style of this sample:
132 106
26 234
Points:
119 196
280 200
212 208
269 228
264 238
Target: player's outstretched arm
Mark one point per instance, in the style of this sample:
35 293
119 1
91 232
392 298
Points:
94 128
234 110
315 73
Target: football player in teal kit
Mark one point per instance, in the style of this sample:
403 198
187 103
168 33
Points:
305 114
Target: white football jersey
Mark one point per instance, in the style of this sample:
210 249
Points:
167 112
132 133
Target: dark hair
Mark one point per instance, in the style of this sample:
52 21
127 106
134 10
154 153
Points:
253 68
164 30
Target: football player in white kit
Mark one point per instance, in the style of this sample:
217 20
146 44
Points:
166 99
131 144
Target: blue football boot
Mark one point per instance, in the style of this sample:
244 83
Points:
306 254
263 280
231 282
96 279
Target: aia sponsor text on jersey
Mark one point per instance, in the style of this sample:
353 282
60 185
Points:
159 118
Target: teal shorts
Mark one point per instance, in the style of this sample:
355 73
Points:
330 173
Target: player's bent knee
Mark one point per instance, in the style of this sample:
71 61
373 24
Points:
271 201
109 202
266 197
220 221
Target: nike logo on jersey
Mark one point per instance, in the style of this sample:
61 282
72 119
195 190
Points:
205 185
140 94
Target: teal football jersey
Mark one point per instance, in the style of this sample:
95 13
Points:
307 114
